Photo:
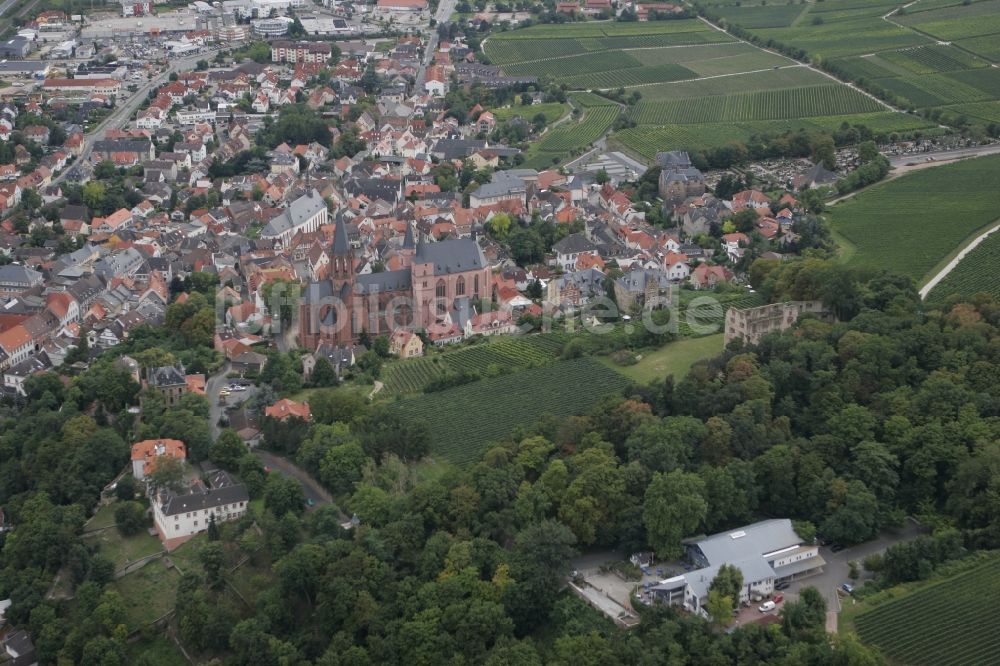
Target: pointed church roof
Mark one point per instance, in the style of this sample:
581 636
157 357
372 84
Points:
408 238
340 244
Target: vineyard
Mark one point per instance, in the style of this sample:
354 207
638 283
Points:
500 355
976 273
952 622
542 42
647 140
912 223
764 105
558 144
465 420
938 55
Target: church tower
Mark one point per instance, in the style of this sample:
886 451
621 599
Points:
344 318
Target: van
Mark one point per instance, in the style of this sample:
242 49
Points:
767 606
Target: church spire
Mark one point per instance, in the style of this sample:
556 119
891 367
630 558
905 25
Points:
340 245
408 238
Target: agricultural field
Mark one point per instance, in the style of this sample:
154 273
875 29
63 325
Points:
503 354
647 140
911 224
951 622
930 54
974 274
573 137
824 100
467 419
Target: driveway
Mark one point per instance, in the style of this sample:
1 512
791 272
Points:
214 384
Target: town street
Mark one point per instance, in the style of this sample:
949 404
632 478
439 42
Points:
124 111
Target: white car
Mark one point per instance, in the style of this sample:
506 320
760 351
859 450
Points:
767 606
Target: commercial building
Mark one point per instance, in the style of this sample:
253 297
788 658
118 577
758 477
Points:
83 86
271 27
766 553
17 47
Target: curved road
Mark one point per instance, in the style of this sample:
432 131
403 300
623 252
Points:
310 486
926 289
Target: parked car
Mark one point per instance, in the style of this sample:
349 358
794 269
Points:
778 598
847 587
836 548
766 606
783 585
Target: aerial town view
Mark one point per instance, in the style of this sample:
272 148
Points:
501 332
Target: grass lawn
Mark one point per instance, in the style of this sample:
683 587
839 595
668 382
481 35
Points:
105 517
157 650
674 358
122 550
148 593
185 557
253 577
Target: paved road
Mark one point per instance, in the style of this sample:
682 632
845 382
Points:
124 110
926 289
310 486
943 156
444 11
836 569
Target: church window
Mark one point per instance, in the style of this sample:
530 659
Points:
440 293
460 286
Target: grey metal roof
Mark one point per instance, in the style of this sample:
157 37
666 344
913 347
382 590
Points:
451 256
757 539
223 491
166 375
386 281
572 244
297 213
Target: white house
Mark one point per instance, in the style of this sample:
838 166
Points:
306 214
178 516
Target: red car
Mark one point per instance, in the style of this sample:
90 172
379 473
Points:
778 598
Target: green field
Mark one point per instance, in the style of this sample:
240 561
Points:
951 622
503 354
909 224
552 111
467 419
148 593
974 274
675 358
122 550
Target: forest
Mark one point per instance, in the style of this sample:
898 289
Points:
845 428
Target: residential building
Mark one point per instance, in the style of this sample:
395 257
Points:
295 52
146 453
285 408
169 381
179 516
751 324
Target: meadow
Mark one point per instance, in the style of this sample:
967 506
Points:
911 223
976 273
952 621
468 419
